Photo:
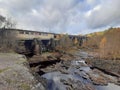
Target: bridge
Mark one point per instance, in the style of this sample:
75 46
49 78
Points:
37 42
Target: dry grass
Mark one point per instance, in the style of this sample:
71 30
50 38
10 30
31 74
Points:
107 43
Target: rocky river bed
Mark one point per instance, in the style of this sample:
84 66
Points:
76 74
58 71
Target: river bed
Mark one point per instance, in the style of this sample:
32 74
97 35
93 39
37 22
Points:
77 75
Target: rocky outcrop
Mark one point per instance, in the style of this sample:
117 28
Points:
15 74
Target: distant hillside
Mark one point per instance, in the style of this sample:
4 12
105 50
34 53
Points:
107 43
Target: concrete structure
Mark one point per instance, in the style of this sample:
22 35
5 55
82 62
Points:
27 39
26 34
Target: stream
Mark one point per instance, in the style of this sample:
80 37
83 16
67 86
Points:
77 75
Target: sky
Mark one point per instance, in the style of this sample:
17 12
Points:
63 16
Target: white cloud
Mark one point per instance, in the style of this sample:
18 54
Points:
62 16
42 14
89 13
3 12
107 13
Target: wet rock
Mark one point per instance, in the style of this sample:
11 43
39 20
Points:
97 79
66 57
82 74
76 85
63 71
110 66
51 58
65 82
65 64
118 81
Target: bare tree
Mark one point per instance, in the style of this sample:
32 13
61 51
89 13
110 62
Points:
7 22
2 21
10 23
7 37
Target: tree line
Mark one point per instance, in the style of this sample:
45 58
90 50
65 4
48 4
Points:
106 43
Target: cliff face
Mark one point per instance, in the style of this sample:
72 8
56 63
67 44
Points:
15 75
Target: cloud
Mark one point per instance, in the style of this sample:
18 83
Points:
66 16
105 14
49 15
